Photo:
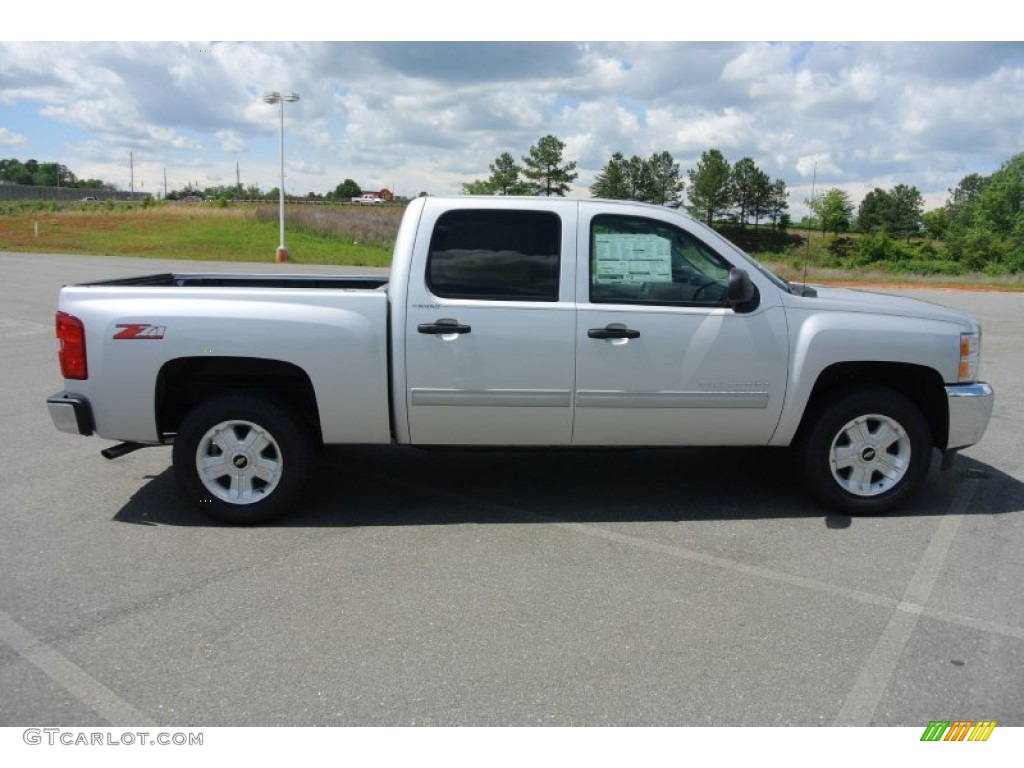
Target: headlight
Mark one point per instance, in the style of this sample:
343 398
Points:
970 356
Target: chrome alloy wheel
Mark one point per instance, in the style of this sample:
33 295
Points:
870 455
239 462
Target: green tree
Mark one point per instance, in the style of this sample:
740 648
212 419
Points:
544 169
709 186
654 180
986 229
504 179
874 210
610 182
34 173
749 188
936 223
94 184
477 187
833 211
55 175
637 178
897 211
778 204
907 207
761 201
222 192
346 190
14 171
966 193
1001 199
665 183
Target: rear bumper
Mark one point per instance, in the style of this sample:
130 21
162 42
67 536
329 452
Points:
970 409
71 413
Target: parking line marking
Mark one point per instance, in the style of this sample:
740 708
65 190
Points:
87 689
905 604
880 666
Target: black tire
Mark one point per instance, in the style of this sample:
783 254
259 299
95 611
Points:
257 454
866 451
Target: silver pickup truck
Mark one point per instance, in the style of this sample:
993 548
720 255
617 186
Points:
519 322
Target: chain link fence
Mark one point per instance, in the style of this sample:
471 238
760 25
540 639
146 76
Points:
11 192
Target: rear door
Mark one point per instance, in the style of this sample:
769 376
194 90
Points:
490 326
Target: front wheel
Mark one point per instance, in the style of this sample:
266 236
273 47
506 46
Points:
866 451
242 458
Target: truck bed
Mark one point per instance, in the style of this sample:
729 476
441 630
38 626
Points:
206 280
330 331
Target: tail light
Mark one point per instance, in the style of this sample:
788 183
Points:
71 336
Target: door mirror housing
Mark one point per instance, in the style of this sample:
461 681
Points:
742 293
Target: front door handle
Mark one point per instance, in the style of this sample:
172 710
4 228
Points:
614 331
444 326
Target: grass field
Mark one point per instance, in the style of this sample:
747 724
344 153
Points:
201 232
342 235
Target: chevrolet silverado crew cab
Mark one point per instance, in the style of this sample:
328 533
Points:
519 322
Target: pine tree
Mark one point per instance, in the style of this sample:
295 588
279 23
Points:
544 170
709 186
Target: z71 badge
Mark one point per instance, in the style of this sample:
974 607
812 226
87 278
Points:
140 331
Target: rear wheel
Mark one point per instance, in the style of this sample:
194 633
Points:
866 451
242 458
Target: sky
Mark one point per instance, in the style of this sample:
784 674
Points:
428 116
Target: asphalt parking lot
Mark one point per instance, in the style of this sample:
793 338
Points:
678 587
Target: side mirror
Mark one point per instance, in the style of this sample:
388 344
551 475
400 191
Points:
741 289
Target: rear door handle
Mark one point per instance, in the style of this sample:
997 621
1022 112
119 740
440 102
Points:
443 326
613 332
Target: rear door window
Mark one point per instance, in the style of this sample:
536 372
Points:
495 255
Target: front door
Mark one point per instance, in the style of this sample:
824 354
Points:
662 359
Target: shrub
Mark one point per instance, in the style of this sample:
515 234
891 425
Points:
924 267
877 246
977 248
925 251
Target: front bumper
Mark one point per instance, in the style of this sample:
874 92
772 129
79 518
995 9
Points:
71 413
970 409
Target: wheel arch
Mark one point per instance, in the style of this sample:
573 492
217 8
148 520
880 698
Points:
183 383
921 385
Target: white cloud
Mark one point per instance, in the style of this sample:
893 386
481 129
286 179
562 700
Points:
431 116
11 139
230 141
758 61
822 166
731 130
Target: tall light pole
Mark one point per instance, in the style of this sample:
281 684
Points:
275 97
